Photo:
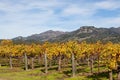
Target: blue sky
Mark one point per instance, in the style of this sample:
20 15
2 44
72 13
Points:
26 17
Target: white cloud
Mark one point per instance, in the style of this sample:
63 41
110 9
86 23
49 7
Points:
89 9
76 10
108 4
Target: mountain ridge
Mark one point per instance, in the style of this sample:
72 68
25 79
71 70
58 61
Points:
87 33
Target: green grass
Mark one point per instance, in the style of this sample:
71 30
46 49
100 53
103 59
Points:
53 74
19 74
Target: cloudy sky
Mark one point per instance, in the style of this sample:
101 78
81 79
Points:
26 17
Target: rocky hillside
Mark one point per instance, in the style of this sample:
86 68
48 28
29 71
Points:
87 33
45 36
91 34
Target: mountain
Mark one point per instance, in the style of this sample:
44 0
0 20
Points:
86 33
91 34
45 36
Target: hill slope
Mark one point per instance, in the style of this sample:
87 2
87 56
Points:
45 36
88 33
91 34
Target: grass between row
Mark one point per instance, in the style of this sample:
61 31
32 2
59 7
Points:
83 73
